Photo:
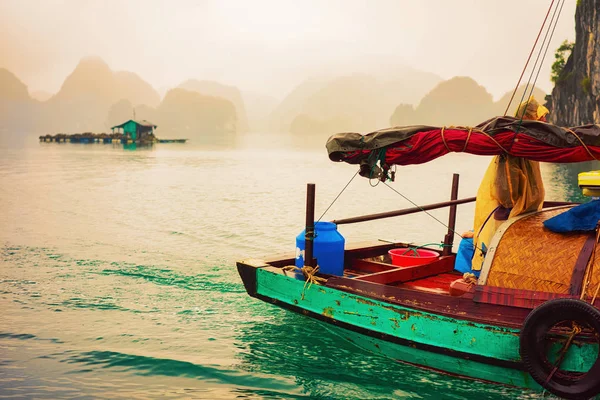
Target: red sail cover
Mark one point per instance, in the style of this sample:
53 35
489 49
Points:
533 140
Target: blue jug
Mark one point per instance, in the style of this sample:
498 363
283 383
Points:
328 249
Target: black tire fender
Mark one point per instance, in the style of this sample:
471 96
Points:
533 347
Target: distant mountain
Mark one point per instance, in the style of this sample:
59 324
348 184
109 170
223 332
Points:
188 114
359 102
355 99
404 115
311 127
135 89
501 104
92 77
40 95
162 91
120 112
18 110
457 101
93 98
259 108
215 89
282 116
123 111
181 114
83 101
11 88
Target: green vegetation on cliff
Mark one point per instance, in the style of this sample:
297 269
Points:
560 60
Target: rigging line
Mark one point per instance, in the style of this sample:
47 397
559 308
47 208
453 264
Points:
582 143
337 197
421 208
475 246
552 20
528 58
542 62
547 45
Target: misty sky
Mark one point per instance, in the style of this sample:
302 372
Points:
269 46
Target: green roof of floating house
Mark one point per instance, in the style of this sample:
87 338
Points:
136 129
143 123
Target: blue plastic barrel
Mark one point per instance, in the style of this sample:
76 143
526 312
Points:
328 249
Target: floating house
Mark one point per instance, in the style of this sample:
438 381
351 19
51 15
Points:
132 131
136 130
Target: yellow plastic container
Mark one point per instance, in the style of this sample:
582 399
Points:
589 182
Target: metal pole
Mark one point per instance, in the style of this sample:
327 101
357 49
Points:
405 211
449 238
310 225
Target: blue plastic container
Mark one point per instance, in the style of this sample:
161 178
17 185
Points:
328 249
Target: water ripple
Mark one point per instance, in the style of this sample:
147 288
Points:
171 278
151 366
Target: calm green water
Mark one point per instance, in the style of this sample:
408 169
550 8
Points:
118 279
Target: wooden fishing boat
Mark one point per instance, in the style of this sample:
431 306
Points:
530 320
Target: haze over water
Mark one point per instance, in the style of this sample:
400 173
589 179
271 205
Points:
271 46
118 278
117 264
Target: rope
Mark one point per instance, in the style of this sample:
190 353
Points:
535 64
338 196
309 276
470 130
470 278
583 144
444 140
467 141
595 294
490 137
381 160
308 271
425 211
421 208
547 46
528 58
576 330
414 249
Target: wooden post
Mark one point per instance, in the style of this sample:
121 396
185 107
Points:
449 238
310 225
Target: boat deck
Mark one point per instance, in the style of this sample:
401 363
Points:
433 287
425 278
439 284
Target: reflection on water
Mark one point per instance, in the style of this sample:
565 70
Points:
561 180
325 364
137 146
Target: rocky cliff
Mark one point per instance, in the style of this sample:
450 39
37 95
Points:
85 98
576 96
17 108
216 89
458 101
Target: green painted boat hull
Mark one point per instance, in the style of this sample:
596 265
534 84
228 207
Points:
450 345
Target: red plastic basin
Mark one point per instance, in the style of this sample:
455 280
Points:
410 257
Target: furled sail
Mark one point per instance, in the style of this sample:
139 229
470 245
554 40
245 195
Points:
533 140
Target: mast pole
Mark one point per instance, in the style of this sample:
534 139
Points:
310 225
